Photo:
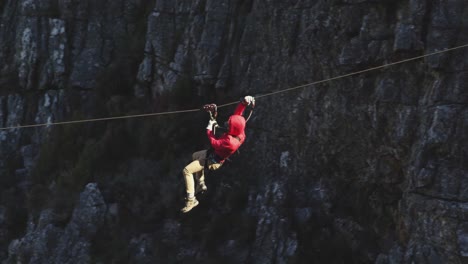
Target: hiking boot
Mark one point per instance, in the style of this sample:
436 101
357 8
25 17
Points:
201 187
189 204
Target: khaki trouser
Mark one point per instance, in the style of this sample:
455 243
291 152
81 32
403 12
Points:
195 168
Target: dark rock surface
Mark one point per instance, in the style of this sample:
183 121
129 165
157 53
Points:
367 169
44 242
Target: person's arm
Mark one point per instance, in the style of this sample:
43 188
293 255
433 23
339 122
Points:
215 143
247 100
211 136
240 108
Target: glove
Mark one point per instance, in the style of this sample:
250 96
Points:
211 123
248 100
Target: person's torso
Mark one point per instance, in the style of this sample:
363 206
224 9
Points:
229 145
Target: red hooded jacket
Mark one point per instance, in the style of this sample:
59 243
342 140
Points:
229 142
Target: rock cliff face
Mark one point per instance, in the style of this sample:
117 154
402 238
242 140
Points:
366 169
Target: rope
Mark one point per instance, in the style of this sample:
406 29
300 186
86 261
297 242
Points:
235 102
363 71
100 119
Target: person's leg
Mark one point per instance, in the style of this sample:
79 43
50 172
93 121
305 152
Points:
194 167
201 156
214 166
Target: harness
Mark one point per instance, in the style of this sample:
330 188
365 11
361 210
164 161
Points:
213 157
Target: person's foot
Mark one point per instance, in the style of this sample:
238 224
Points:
201 187
189 204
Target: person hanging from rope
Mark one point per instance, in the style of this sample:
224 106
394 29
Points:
213 158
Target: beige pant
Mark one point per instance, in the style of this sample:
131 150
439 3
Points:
195 168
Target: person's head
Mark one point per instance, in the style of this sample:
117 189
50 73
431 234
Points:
235 125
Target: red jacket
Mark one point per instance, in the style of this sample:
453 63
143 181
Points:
229 142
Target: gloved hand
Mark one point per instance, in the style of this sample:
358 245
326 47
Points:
211 123
248 100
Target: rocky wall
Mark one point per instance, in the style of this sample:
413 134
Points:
365 169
